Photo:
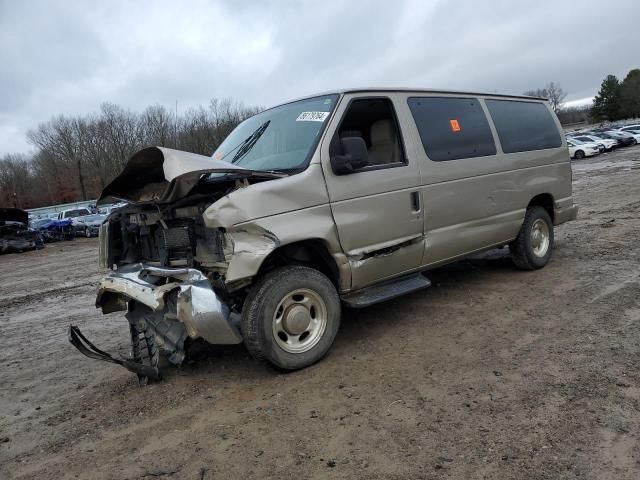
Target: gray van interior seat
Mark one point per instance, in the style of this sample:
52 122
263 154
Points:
384 143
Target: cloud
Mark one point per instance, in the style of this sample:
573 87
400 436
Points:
68 57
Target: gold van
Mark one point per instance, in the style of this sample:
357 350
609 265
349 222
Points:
341 198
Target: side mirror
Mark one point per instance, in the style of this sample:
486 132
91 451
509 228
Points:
355 156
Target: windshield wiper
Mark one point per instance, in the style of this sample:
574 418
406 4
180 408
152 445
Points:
248 143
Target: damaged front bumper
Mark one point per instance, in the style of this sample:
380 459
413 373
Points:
197 306
164 307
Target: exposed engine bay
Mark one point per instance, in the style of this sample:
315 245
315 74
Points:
171 235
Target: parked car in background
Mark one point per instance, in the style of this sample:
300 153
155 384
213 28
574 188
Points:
579 149
628 128
603 135
624 139
106 210
73 213
15 234
89 225
54 230
634 133
601 148
38 226
607 144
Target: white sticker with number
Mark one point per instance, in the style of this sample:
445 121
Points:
312 117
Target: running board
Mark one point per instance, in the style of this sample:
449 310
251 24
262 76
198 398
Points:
386 291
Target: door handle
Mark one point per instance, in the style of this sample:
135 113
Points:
415 202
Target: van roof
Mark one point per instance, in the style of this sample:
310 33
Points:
418 90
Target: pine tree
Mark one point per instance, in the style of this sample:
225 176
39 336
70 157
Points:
606 104
630 94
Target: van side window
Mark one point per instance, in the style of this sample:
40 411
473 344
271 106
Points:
373 120
452 128
523 126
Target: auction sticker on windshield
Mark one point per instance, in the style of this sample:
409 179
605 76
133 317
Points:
312 117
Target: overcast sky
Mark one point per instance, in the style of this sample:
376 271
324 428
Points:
67 57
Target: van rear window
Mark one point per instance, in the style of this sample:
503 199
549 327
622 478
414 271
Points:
523 126
452 128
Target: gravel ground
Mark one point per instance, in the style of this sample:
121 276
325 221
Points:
491 373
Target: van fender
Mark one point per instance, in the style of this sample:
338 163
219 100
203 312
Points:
250 243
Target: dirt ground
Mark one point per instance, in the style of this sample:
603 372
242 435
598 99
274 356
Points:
491 373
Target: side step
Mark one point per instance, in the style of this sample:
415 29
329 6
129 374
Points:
386 291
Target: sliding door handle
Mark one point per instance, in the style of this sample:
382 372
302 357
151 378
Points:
415 202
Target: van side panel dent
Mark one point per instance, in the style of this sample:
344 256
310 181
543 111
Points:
254 241
251 245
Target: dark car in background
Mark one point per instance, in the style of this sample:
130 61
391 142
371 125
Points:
623 139
88 225
15 234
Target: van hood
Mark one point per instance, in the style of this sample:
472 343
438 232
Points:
164 175
13 215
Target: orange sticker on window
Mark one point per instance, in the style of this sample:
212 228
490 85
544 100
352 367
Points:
455 126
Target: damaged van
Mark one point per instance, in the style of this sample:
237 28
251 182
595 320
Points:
339 199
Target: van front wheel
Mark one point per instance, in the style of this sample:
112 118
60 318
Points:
291 317
533 246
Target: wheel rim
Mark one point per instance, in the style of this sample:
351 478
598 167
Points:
299 321
540 238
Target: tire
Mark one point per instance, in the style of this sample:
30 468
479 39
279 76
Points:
87 233
275 312
529 251
579 155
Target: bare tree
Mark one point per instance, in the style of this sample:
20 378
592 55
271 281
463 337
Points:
553 92
77 156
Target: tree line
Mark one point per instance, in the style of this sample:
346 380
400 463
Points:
618 100
75 157
615 100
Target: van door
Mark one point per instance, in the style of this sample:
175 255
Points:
377 208
476 189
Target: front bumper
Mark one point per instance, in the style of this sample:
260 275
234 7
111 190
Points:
197 306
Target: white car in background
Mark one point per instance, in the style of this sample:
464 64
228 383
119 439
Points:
628 128
607 143
110 208
578 149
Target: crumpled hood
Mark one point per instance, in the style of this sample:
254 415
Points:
164 175
13 215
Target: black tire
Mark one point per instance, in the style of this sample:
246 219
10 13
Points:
260 307
522 248
579 155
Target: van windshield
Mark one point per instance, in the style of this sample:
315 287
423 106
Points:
281 138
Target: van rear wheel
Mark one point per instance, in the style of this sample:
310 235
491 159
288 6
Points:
533 246
291 317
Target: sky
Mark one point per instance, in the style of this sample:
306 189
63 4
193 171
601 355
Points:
67 57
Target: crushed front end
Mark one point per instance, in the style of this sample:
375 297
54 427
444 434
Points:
167 267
